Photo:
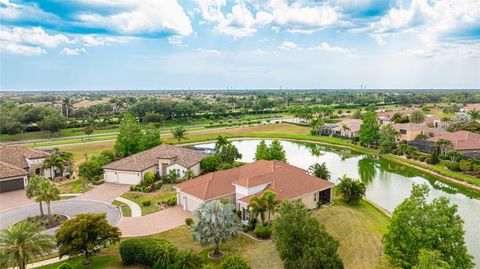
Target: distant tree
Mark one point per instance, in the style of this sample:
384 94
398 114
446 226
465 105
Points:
417 116
150 137
229 153
435 226
319 170
216 223
129 139
448 110
85 235
301 241
88 130
388 138
9 125
369 129
357 114
351 191
262 151
33 190
431 259
179 133
89 170
210 163
276 151
53 161
462 118
21 243
474 114
221 142
52 122
153 117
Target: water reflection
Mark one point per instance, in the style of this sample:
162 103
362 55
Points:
387 183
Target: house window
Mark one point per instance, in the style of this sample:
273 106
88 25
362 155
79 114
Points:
315 197
403 131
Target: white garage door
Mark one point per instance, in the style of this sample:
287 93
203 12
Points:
128 178
192 204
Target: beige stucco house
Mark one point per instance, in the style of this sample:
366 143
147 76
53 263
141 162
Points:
159 160
239 184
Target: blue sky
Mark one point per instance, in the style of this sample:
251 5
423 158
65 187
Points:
219 44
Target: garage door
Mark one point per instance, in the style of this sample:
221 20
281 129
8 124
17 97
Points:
11 185
128 178
192 204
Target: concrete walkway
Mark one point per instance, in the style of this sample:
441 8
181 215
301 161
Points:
46 262
107 192
134 207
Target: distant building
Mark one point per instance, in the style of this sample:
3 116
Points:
410 131
462 141
347 128
470 107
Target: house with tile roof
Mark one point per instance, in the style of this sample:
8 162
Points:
160 160
17 163
410 131
239 184
462 141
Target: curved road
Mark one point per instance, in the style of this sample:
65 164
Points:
69 208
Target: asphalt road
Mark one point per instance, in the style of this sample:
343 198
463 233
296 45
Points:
70 208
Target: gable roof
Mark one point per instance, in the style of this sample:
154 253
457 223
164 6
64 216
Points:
18 155
461 140
286 180
352 124
8 170
148 158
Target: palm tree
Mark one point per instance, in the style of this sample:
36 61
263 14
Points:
48 193
258 206
166 254
221 142
52 162
475 114
345 128
22 242
179 133
352 191
320 171
67 106
271 202
33 189
443 145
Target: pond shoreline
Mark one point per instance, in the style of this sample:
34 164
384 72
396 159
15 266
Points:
390 158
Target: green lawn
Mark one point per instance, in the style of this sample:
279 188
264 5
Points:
358 228
161 196
126 210
73 187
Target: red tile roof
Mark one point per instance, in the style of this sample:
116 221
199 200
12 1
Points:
461 140
8 171
18 155
286 180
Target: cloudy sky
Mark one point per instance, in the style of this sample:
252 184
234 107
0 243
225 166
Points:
219 44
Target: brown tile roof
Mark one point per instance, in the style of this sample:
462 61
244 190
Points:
461 140
17 155
352 124
8 170
472 106
88 103
286 180
410 126
143 160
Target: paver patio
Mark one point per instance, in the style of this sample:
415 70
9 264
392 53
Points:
14 199
107 192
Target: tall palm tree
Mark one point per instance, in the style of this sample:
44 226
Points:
179 133
345 128
258 206
22 242
52 162
33 190
67 106
320 171
221 142
443 145
49 192
271 202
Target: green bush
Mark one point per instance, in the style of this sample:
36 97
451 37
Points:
434 159
189 221
313 132
172 201
453 166
235 262
98 182
263 231
148 178
144 251
422 158
251 225
65 266
146 202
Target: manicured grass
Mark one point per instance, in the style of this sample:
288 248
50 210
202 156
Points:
126 211
156 198
75 186
359 229
98 262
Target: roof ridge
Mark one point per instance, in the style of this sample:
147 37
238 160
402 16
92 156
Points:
207 185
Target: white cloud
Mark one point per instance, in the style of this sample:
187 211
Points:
324 46
14 12
73 52
287 45
18 49
148 17
98 40
34 36
209 51
239 23
176 41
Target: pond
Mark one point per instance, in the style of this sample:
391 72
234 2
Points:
387 183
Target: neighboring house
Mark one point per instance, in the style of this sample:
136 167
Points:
384 117
160 160
462 141
348 128
26 159
470 107
410 131
12 177
89 103
239 184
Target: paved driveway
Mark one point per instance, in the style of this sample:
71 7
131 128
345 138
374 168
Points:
107 192
13 199
154 223
70 208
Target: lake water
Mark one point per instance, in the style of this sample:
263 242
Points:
387 183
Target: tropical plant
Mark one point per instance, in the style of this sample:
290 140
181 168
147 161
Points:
221 142
186 259
462 118
235 262
417 224
188 174
48 192
259 205
320 171
475 114
388 138
179 133
443 145
22 242
229 153
53 161
86 235
301 241
210 163
351 191
33 190
417 116
215 223
455 156
273 152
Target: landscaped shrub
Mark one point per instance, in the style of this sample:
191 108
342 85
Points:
409 156
313 132
251 225
172 201
434 159
453 166
189 221
144 251
443 157
65 266
146 202
148 178
187 259
98 182
263 231
235 262
422 158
